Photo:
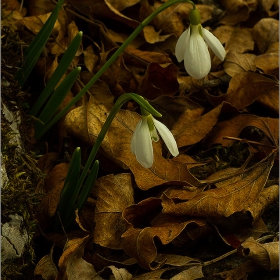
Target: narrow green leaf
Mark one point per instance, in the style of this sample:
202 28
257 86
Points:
58 73
69 190
55 100
34 50
88 185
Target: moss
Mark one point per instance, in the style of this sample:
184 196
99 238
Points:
18 192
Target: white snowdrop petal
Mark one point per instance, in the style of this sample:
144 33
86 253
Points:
197 59
167 137
181 45
143 144
214 44
133 139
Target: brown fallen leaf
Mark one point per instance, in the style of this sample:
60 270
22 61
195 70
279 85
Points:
138 240
72 265
236 11
237 63
268 63
90 58
265 33
118 273
233 127
159 80
266 197
237 39
100 262
245 88
116 145
271 7
55 182
114 194
46 267
192 127
241 272
148 56
173 107
234 194
266 255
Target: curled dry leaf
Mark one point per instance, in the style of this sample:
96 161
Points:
233 195
233 127
266 255
270 6
152 36
237 63
266 33
114 194
266 197
138 240
71 263
245 88
237 11
46 267
116 145
118 273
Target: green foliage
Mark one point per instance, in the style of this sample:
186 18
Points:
33 52
74 196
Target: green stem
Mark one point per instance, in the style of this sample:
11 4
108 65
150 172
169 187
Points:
109 62
122 99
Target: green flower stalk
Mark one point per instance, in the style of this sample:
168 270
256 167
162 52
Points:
109 62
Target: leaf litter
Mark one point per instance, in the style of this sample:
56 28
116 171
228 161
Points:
169 221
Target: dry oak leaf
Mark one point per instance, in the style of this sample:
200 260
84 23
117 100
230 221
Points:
138 240
234 194
71 263
245 88
86 122
266 33
192 127
238 63
266 255
114 194
234 126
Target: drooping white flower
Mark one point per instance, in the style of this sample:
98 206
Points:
141 142
192 48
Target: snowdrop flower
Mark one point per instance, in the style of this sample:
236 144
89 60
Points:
191 48
145 132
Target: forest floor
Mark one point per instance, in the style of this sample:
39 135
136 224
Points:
209 213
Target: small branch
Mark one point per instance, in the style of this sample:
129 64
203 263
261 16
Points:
248 141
